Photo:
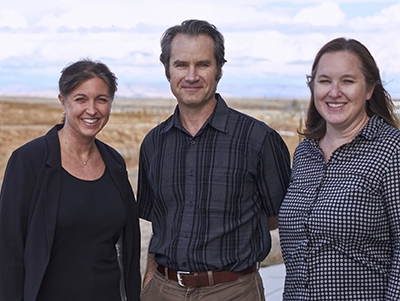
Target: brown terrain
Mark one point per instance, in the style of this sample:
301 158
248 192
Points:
23 119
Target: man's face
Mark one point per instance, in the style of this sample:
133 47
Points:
193 70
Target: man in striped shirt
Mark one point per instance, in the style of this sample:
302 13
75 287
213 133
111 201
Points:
211 181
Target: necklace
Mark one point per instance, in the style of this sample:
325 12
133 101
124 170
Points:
83 162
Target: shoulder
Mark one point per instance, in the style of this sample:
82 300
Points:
381 136
154 134
388 142
38 145
28 158
33 150
306 144
390 132
256 130
44 150
33 147
307 149
237 116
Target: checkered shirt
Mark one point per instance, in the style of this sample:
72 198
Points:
340 220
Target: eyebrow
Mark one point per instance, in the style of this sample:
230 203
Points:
178 62
84 95
344 75
185 62
79 94
204 62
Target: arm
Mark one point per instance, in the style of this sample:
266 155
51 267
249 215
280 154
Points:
145 199
17 189
274 176
391 188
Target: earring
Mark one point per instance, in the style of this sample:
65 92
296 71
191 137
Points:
63 113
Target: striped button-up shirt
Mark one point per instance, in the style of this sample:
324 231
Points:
209 196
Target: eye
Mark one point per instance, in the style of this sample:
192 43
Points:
102 100
323 81
180 65
348 81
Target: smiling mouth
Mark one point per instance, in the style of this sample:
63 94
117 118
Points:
335 105
91 121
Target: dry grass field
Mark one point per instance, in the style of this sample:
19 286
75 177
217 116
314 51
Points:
23 119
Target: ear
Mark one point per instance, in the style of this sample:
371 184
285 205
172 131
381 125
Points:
62 101
111 103
167 74
370 92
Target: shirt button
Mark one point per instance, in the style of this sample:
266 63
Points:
190 204
191 172
185 235
192 142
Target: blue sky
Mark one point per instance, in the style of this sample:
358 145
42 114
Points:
270 45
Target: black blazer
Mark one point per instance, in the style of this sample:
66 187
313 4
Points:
28 210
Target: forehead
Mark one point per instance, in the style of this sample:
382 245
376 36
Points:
339 62
184 47
95 84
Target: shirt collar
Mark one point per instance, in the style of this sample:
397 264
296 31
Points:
370 131
218 118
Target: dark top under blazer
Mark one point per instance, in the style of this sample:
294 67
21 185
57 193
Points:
28 211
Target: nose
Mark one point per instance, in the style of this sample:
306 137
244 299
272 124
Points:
191 74
91 107
335 91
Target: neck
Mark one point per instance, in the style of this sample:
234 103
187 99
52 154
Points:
192 119
81 149
347 132
334 138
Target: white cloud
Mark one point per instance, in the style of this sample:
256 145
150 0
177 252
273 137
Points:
264 39
11 19
154 14
388 19
325 14
379 33
19 44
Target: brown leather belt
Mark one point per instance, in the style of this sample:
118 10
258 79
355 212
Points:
203 278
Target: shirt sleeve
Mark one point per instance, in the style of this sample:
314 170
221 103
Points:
274 172
145 195
391 195
15 195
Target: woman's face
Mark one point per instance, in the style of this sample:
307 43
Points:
87 108
340 90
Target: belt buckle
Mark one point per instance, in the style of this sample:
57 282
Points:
179 276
